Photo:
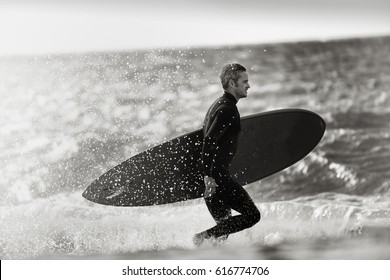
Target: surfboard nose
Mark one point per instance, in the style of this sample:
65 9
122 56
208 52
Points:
323 128
322 124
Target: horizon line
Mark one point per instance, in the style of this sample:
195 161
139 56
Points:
195 46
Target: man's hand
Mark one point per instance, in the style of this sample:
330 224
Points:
211 186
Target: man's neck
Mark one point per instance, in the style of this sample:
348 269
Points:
232 94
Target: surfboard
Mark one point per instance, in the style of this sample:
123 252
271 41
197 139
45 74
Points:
172 171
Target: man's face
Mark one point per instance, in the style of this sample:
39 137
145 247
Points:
242 85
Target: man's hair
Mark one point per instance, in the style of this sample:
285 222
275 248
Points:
229 72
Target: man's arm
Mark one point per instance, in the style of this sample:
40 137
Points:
221 123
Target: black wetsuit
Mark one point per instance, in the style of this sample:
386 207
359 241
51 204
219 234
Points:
221 130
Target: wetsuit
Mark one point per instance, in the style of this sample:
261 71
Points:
221 130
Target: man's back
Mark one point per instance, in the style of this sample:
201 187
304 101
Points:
221 129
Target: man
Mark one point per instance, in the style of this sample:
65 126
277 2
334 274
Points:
221 131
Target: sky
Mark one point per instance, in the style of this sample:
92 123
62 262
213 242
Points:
63 26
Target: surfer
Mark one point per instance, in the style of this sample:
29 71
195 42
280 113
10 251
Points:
221 129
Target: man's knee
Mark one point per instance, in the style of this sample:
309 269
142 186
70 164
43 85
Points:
254 216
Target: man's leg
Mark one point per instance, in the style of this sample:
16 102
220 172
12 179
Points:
219 210
239 200
229 195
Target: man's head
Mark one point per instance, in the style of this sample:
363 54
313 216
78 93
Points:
234 79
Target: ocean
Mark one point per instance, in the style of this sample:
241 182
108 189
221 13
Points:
67 118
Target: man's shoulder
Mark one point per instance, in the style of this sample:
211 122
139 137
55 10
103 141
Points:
223 106
226 108
225 102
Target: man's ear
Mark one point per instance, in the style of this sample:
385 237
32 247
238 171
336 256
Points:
232 83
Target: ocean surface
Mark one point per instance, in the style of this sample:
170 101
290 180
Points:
65 119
